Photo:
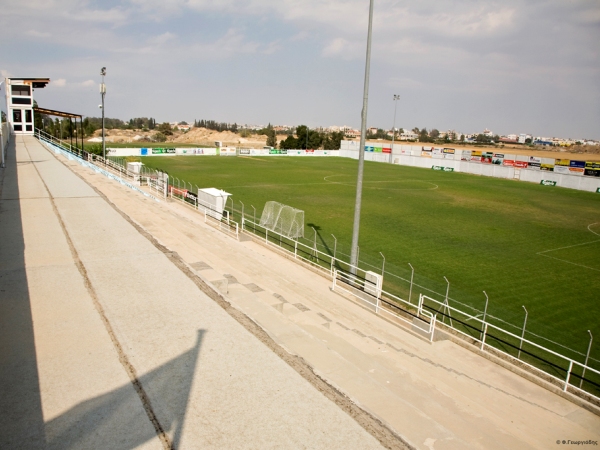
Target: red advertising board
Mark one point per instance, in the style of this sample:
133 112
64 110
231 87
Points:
387 150
521 164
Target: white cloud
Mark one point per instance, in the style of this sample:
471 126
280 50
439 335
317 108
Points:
61 82
36 33
88 83
161 38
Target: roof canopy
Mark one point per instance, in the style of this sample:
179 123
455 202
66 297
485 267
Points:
51 112
36 83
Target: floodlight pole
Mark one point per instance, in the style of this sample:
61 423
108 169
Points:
586 358
523 334
103 93
361 151
412 275
396 97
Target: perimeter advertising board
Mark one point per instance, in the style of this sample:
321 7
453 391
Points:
449 153
426 152
498 158
486 157
476 156
561 166
547 164
509 160
163 151
465 155
592 168
534 163
437 153
577 167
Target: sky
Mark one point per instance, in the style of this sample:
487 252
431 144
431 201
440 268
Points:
513 66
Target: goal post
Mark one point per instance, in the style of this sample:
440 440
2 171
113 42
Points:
283 219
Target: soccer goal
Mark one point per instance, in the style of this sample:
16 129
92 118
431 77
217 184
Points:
283 219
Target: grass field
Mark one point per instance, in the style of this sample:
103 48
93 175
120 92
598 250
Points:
524 244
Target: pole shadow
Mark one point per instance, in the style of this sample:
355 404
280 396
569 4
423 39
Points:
114 420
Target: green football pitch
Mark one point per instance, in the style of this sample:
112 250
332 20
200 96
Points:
524 244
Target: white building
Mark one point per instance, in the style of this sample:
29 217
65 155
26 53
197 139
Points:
19 102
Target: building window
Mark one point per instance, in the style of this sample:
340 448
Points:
28 116
20 90
18 127
28 127
17 117
21 101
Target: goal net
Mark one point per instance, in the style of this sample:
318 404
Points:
283 219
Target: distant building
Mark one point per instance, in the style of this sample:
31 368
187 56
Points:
408 135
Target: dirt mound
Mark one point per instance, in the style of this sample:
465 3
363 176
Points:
208 137
200 136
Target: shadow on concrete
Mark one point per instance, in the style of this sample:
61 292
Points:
113 420
21 418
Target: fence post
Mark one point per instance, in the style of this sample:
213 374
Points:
420 305
266 236
334 279
296 249
433 322
568 376
485 326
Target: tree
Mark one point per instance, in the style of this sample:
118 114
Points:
271 138
434 134
165 129
333 141
37 118
289 143
424 136
159 137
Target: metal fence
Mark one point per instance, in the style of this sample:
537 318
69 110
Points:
427 313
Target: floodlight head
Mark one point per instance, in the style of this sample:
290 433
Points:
100 106
103 71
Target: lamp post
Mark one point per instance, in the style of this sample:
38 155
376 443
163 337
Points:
586 358
361 151
242 210
383 264
396 98
254 215
523 334
102 94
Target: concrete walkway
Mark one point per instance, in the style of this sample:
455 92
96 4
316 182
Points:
106 343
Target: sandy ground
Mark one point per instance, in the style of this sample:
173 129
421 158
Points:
201 136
